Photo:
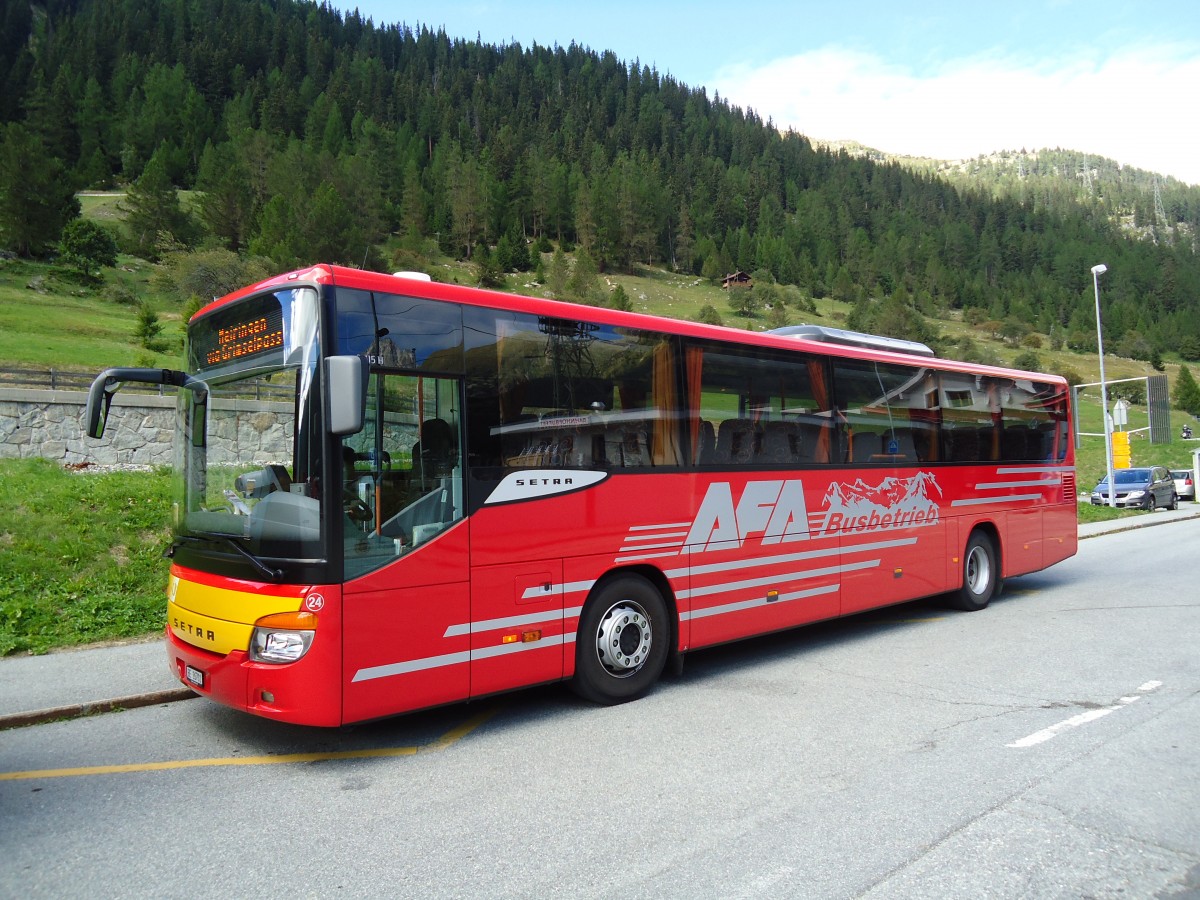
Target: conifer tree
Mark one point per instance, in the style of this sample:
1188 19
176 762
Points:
36 198
560 271
155 217
583 285
1186 395
226 205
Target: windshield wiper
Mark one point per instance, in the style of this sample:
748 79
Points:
273 574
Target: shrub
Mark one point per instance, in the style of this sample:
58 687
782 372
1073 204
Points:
87 247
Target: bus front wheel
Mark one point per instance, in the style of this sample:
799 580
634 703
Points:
622 643
981 575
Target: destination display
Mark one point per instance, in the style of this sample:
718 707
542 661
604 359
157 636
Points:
245 331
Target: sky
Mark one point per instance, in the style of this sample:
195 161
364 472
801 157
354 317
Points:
1116 78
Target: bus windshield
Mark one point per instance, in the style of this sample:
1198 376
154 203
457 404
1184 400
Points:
251 443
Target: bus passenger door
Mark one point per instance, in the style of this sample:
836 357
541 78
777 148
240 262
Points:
404 642
516 625
406 550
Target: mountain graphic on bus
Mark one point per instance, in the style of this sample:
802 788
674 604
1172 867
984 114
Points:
892 503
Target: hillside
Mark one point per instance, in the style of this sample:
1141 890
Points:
1147 205
299 134
102 324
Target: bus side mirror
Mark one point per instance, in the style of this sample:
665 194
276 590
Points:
346 379
100 397
100 394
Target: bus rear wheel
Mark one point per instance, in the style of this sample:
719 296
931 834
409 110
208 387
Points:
623 641
981 575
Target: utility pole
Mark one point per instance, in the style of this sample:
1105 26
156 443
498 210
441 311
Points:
1160 214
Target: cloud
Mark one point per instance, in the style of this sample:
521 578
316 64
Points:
1134 106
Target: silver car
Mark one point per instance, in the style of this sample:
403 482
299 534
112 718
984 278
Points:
1145 488
1185 486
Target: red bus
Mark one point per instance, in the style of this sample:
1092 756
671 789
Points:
396 493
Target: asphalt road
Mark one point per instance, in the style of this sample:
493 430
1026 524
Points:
1046 747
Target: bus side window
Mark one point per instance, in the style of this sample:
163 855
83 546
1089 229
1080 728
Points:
755 409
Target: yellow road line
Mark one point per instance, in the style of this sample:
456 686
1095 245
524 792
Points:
447 740
455 735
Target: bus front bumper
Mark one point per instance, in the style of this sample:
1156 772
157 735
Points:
293 692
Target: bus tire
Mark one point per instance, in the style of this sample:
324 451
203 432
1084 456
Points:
981 574
623 641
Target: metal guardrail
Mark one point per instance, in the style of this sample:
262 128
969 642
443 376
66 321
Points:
61 380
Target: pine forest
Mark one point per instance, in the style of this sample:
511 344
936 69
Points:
286 133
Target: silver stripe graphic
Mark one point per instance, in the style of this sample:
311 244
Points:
653 547
1025 470
455 659
757 561
758 601
628 556
556 640
412 665
1001 485
552 615
728 586
571 587
637 538
979 500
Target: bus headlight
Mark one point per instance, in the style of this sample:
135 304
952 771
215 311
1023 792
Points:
282 637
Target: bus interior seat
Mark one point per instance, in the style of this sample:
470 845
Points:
901 441
780 443
706 444
865 444
810 442
735 441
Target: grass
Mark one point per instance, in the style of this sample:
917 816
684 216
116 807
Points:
49 318
1088 513
82 555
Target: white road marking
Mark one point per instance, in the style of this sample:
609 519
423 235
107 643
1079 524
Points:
1091 715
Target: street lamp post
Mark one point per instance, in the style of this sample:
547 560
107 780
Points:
1097 271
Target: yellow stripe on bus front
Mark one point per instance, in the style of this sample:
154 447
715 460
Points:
206 632
218 619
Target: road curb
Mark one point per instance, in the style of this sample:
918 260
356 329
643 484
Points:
1135 524
95 707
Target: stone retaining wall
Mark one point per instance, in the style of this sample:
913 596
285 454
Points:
140 428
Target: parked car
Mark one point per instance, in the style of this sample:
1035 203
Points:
1185 486
1148 488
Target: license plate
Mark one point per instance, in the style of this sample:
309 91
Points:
194 676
